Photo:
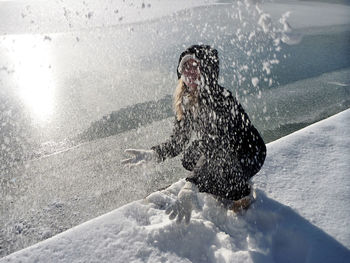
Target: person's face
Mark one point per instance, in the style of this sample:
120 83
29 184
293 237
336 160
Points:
191 73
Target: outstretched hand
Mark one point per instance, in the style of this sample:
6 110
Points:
139 158
185 203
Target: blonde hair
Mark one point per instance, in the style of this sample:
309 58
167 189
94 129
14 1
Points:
179 91
178 95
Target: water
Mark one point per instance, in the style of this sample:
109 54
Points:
62 83
64 95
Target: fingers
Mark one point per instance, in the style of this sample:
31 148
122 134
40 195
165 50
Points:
132 151
137 164
179 218
180 214
127 161
173 211
187 218
130 161
133 161
173 215
169 210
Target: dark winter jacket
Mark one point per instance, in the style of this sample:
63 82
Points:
226 138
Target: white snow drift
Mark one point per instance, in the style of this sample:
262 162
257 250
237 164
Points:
301 214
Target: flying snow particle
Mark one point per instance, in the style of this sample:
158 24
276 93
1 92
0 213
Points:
270 82
267 67
265 22
225 93
89 15
255 81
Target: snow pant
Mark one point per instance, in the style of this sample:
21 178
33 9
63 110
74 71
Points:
225 174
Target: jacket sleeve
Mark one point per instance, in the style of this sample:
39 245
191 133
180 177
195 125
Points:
192 154
177 141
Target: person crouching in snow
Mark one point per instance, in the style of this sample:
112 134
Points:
228 150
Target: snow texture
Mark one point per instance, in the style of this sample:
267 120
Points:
301 214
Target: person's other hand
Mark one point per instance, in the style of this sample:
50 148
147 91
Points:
186 201
140 157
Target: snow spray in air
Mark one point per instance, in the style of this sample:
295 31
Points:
256 42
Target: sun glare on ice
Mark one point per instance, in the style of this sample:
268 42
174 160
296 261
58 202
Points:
34 80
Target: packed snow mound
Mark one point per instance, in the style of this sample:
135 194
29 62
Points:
300 214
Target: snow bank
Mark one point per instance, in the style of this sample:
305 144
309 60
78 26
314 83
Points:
301 214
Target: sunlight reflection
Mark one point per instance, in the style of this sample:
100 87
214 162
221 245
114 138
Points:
31 59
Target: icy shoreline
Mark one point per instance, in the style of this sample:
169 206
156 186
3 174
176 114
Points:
301 213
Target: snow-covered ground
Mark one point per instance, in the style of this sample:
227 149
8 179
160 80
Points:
301 214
